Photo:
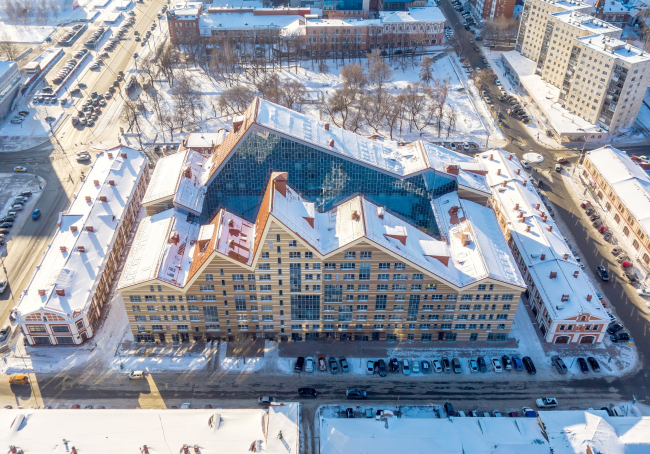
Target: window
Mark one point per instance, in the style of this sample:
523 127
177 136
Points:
416 287
383 276
209 277
380 302
140 318
293 243
182 327
151 309
238 277
191 298
400 277
450 307
507 297
309 255
210 314
267 308
350 255
206 288
432 287
364 271
365 255
240 303
237 288
333 293
135 299
378 327
135 308
482 287
150 299
295 279
294 255
348 266
380 318
362 318
330 266
172 308
399 287
265 255
445 326
400 266
502 316
265 288
305 307
506 307
487 297
418 276
348 277
384 266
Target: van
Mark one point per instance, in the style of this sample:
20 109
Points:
136 374
19 379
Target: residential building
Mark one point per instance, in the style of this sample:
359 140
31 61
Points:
612 11
494 9
272 430
354 268
64 300
9 86
557 432
347 9
183 20
623 189
577 69
203 142
563 298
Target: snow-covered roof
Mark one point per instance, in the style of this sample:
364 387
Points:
615 48
420 435
570 5
9 67
629 181
571 432
162 249
244 21
232 431
614 7
184 8
341 22
543 249
413 15
587 23
65 280
179 177
204 139
471 173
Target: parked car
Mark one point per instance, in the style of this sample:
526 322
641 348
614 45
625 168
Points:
516 362
436 365
449 409
602 273
612 329
334 367
593 362
381 367
529 365
309 365
300 362
582 363
36 214
265 400
545 402
355 394
496 413
20 169
456 366
3 287
446 364
406 368
137 375
322 365
617 250
415 366
482 365
473 365
370 367
345 367
496 365
426 367
4 332
528 412
394 365
6 225
507 362
19 379
620 337
630 276
307 392
559 364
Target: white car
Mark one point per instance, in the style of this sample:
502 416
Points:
496 364
437 367
265 400
309 365
3 285
370 367
525 164
643 292
415 366
473 365
406 368
186 406
610 314
496 413
546 402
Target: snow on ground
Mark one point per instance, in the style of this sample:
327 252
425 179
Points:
239 364
60 12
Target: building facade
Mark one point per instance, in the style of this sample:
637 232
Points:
494 9
9 86
624 191
65 298
563 298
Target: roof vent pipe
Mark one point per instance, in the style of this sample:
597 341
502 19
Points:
518 171
550 228
553 275
509 157
498 171
576 274
588 297
504 184
332 143
145 449
542 257
327 126
537 205
516 207
491 157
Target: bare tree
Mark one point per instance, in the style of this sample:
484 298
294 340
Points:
169 57
235 100
426 70
452 116
11 10
353 76
42 11
339 106
292 93
380 74
393 112
269 87
8 49
131 116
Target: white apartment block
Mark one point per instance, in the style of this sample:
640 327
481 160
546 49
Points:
584 57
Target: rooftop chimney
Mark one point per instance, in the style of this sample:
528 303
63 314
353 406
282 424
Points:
96 182
452 169
73 228
566 256
102 198
465 240
553 275
123 155
537 206
41 292
186 449
550 228
60 291
491 157
504 184
380 212
524 182
81 249
516 207
88 199
327 126
90 228
111 182
355 216
498 171
521 214
231 222
145 449
565 298
174 237
509 157
588 297
63 248
332 143
527 228
576 274
110 155
542 257
518 171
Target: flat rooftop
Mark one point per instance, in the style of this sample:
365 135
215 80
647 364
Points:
615 48
414 14
587 23
245 21
113 431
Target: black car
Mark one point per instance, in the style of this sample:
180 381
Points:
593 362
602 273
381 367
6 225
299 363
529 365
507 362
4 231
482 366
620 337
307 392
349 412
583 365
394 365
449 409
355 394
446 365
27 194
612 329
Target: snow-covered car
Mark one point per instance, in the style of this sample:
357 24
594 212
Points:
643 292
545 402
415 366
473 365
406 368
437 367
370 367
496 365
309 365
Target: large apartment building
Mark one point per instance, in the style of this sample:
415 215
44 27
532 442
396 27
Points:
64 300
339 263
563 298
584 57
493 9
624 190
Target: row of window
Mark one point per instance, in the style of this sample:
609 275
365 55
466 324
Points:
341 327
